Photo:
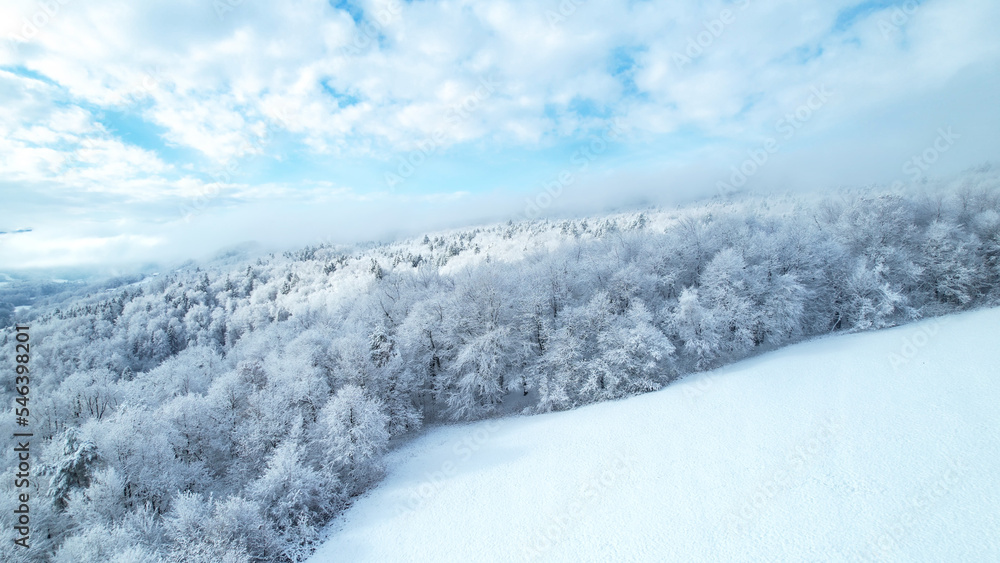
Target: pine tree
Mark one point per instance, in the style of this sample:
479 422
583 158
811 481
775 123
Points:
76 467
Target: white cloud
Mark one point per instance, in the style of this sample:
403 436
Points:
220 79
302 82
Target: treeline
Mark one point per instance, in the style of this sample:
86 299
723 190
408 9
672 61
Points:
228 413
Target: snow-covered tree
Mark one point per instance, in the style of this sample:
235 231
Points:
352 434
242 400
632 355
724 290
948 264
870 300
75 466
295 498
697 329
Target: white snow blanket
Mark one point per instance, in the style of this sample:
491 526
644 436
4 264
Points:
882 446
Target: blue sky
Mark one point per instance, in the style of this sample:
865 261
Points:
169 129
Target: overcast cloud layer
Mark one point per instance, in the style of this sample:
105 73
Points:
160 130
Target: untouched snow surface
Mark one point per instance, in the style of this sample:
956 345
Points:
882 446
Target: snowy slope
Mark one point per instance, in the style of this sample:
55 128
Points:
882 446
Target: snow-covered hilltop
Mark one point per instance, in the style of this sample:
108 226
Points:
228 411
872 447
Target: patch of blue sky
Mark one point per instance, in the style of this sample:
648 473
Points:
806 53
131 129
621 65
680 141
586 107
294 166
526 169
849 16
622 60
803 54
466 168
356 13
579 108
749 102
343 99
27 73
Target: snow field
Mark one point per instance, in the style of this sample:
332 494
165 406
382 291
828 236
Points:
881 446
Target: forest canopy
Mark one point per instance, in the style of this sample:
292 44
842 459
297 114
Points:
227 412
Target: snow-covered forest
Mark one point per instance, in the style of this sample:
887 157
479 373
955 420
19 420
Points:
227 412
